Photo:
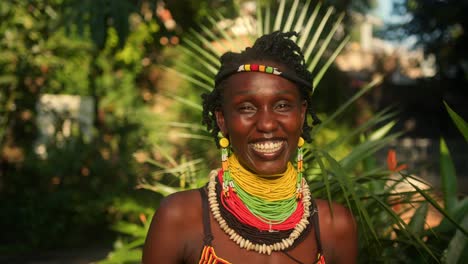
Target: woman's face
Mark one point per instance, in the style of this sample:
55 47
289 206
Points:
262 115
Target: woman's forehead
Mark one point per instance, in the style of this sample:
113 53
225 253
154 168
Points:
245 83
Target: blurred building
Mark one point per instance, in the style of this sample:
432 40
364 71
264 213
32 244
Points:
60 116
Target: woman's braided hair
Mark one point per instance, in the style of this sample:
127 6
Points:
275 47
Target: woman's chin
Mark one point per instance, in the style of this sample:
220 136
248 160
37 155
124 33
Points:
269 167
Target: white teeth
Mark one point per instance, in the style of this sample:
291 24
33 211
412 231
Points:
267 147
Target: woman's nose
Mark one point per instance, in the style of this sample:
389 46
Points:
266 121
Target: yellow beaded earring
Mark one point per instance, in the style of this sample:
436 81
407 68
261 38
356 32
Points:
300 158
224 143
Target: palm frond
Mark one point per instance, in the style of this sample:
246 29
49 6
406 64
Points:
378 118
323 46
200 51
317 34
305 31
292 11
189 78
345 105
330 60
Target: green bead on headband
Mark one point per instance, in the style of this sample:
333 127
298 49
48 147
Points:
261 68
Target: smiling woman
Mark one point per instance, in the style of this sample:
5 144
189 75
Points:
257 208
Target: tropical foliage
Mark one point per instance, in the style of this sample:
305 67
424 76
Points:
69 184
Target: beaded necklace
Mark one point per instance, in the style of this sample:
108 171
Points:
271 188
235 205
228 207
272 199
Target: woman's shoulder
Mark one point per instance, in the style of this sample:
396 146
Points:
180 206
335 216
176 223
178 213
332 211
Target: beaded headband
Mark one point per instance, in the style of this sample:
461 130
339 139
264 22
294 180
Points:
260 68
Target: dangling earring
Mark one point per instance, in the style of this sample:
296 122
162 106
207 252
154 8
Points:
300 158
224 143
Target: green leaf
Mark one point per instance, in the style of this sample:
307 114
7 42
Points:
201 73
187 102
460 210
378 118
125 253
324 44
345 105
267 26
305 31
207 42
409 236
292 12
302 16
180 168
193 136
457 244
325 180
330 60
260 21
189 78
461 124
317 34
365 149
449 177
349 191
199 51
436 205
381 132
279 15
418 220
130 229
157 187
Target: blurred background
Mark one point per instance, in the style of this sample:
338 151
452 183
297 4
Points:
89 110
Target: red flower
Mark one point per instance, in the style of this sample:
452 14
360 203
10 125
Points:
143 218
392 162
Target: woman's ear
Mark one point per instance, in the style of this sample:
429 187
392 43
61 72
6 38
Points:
221 122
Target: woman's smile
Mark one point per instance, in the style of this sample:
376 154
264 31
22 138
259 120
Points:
268 147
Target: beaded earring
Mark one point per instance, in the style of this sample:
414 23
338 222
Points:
300 158
224 143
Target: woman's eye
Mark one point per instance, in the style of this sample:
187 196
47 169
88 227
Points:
283 106
246 108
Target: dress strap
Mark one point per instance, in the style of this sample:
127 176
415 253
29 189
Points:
317 227
208 236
